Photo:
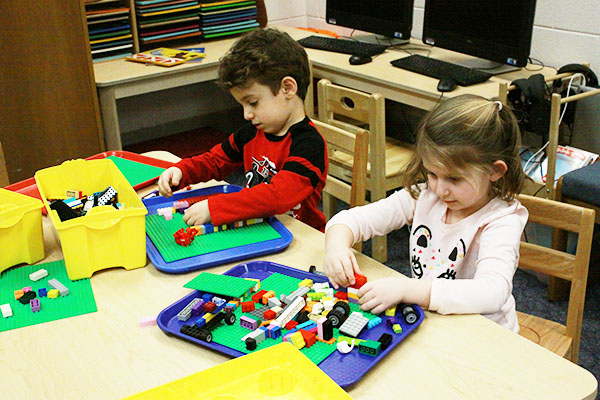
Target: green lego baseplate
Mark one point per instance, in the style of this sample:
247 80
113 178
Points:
161 233
80 299
231 335
136 172
223 285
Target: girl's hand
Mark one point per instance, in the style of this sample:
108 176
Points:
377 296
197 214
340 265
170 177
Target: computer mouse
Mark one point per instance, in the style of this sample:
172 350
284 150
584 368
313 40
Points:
359 59
446 85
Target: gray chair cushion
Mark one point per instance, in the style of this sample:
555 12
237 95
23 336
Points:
583 184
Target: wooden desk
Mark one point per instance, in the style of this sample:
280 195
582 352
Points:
120 79
106 355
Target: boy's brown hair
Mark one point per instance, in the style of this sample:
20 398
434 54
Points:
469 131
265 56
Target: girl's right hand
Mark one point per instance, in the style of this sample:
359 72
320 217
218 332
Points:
170 177
340 265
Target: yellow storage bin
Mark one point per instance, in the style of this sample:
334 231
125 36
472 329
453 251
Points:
277 372
21 232
105 237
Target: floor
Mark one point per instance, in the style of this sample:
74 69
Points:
186 144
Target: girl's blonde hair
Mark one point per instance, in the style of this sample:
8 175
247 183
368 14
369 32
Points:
469 131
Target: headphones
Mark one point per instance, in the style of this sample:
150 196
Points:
531 99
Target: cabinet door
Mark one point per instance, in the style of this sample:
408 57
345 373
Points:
48 101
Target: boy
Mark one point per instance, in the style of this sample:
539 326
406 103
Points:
283 155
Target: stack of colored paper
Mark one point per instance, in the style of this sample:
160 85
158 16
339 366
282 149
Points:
221 18
109 29
162 20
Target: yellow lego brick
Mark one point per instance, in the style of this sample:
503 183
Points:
208 316
52 293
306 282
297 340
390 312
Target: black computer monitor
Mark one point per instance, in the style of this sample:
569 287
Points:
496 31
392 19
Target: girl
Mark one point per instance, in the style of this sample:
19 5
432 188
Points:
459 199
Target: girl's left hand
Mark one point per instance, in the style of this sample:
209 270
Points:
197 214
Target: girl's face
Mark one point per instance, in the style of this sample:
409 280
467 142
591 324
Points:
464 192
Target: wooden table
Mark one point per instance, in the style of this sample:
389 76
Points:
120 79
106 355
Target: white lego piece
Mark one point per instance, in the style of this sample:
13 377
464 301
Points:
6 310
62 289
39 274
291 311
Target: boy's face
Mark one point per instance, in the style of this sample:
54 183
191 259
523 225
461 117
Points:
268 112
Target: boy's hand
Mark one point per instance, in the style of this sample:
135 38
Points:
170 177
197 214
340 265
377 296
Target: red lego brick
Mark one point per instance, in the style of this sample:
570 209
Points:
248 306
341 295
210 306
291 325
269 314
359 281
309 337
258 296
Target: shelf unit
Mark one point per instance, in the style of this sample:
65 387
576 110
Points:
111 28
118 28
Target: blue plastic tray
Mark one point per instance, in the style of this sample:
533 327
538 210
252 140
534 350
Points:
344 369
218 257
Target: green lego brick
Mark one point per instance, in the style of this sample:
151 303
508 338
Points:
136 172
79 301
161 231
223 285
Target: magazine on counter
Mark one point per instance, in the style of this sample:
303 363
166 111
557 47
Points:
567 159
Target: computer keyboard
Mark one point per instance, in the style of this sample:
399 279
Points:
433 68
342 45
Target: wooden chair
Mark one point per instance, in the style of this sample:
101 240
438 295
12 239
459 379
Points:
3 171
356 145
561 339
351 110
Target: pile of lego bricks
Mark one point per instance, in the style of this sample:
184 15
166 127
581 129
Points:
311 316
76 204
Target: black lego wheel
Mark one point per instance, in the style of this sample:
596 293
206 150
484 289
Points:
409 314
343 308
336 318
229 318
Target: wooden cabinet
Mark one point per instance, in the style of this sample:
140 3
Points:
48 102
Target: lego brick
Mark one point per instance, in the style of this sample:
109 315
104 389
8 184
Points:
369 347
6 310
42 292
58 286
354 324
52 294
27 297
385 339
397 328
186 312
35 305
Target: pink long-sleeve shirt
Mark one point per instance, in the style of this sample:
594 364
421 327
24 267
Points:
474 258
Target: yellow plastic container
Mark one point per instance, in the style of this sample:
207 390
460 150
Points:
105 237
21 232
277 372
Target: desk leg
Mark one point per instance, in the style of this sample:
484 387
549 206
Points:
110 118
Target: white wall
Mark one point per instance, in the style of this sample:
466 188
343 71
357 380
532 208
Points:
564 32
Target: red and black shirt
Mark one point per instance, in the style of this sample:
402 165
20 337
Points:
283 173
